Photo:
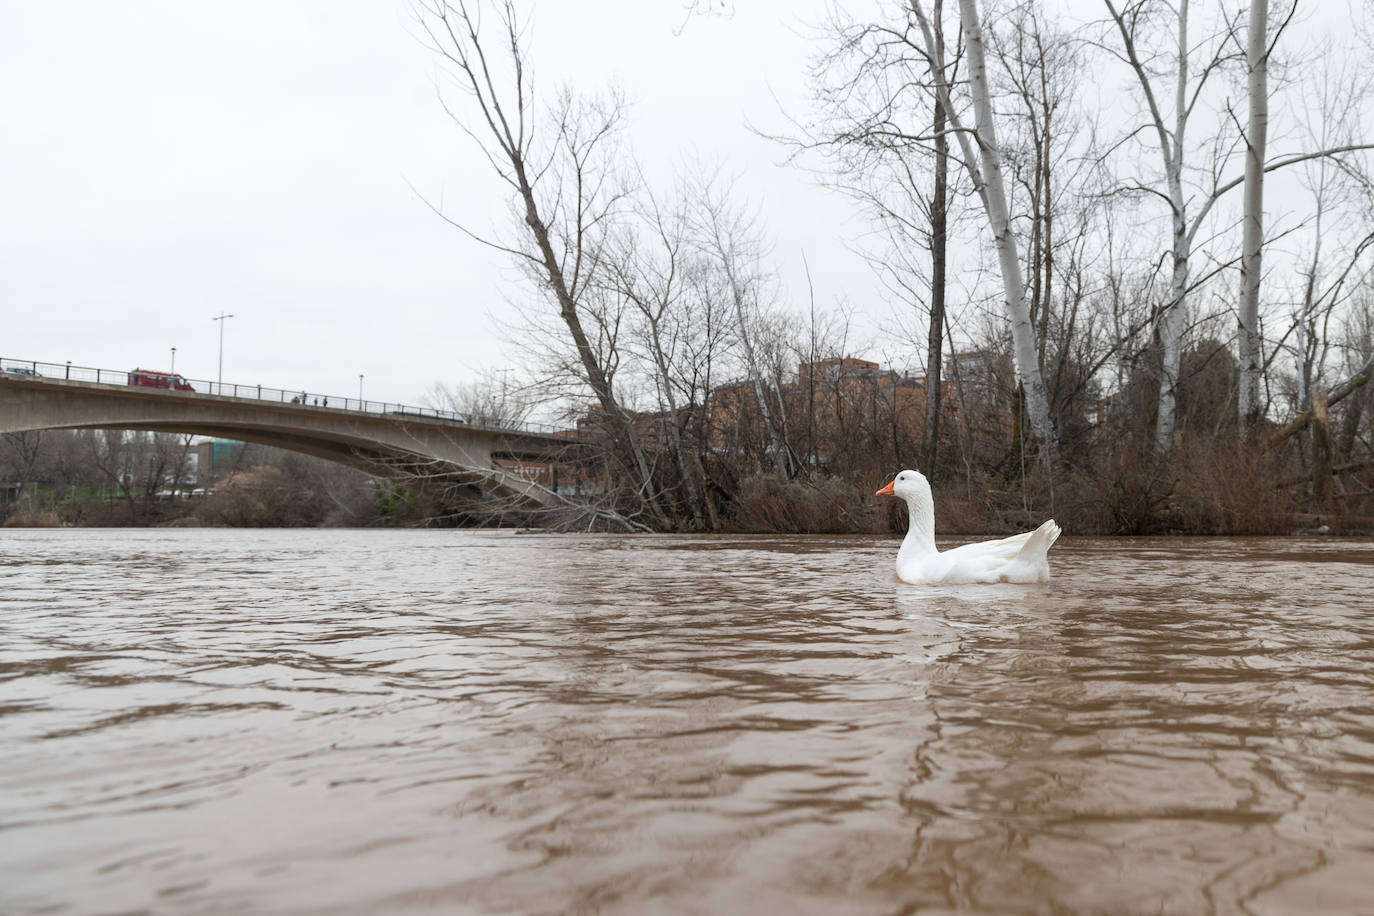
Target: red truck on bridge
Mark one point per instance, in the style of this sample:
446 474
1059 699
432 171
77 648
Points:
151 378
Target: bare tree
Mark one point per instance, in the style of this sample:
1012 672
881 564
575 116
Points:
655 274
939 256
732 238
1206 59
112 454
867 87
1055 198
985 171
558 165
140 466
491 400
173 451
1251 258
1339 226
1130 21
870 88
24 449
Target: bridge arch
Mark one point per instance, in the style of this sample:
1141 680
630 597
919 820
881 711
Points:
393 445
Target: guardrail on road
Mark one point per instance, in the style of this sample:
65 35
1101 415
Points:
120 378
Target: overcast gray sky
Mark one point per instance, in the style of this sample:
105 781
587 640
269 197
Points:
164 161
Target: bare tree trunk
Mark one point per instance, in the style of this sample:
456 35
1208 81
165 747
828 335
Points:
690 480
505 131
995 199
625 441
811 357
1175 318
1172 323
1046 186
1350 429
111 453
1251 355
992 190
939 226
725 236
1321 447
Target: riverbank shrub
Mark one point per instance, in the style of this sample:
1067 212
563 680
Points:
30 517
810 505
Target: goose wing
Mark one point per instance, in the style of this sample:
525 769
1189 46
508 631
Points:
1003 549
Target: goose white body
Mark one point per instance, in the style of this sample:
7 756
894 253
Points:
1021 558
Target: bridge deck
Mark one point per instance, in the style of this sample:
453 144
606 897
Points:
399 442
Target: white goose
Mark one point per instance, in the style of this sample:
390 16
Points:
1019 558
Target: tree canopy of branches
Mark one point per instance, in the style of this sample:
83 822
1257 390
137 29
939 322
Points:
1049 206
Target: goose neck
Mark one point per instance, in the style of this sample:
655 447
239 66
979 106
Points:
921 528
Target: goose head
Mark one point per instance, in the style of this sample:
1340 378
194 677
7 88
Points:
906 485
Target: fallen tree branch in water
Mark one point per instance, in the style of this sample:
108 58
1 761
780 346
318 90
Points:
497 496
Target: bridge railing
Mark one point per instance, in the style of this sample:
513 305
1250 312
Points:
121 378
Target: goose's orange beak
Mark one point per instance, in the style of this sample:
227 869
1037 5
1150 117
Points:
885 491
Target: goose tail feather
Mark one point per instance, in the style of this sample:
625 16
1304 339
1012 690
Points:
1039 543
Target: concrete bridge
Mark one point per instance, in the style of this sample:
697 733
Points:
397 443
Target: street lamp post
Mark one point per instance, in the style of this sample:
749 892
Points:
173 370
360 391
220 318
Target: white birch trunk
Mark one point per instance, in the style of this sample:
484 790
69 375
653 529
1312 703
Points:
1174 319
1251 357
995 203
1173 322
1171 327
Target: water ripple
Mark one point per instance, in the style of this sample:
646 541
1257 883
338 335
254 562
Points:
358 722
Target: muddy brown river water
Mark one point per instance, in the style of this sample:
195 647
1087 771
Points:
487 722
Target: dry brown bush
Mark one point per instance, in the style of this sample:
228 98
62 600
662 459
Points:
814 505
264 497
1207 486
31 517
1226 487
972 503
1127 490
